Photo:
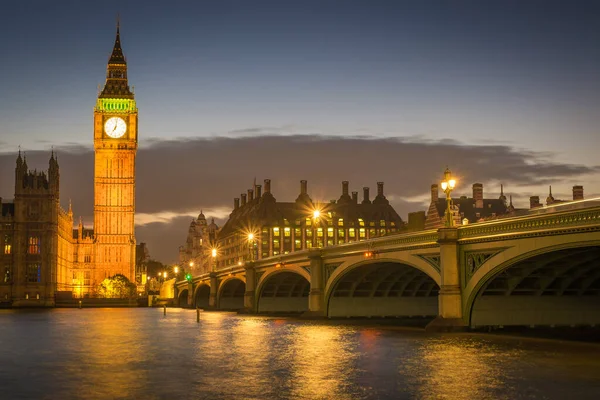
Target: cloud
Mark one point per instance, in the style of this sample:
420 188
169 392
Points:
178 178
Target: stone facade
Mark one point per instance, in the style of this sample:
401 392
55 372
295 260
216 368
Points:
280 228
43 257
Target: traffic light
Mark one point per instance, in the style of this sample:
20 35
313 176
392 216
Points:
188 277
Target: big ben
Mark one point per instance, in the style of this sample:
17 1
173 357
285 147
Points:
115 146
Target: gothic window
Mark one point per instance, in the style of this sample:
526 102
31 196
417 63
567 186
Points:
33 245
7 244
34 273
86 278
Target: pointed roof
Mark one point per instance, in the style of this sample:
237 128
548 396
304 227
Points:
116 85
117 56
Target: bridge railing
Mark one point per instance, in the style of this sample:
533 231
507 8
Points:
533 224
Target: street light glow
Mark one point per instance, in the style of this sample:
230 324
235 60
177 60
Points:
176 270
316 214
214 253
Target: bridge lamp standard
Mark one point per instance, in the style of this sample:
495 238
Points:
251 245
213 254
447 186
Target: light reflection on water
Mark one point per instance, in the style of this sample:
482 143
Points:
140 354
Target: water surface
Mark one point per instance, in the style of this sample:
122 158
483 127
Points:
141 354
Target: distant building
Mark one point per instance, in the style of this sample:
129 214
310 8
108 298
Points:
142 256
466 209
284 227
195 255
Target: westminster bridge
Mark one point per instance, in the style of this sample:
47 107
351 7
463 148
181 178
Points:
538 269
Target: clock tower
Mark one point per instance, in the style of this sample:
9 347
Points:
115 146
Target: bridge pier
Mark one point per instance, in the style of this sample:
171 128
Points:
214 289
249 294
190 296
450 316
316 296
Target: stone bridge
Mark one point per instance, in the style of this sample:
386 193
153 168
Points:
540 269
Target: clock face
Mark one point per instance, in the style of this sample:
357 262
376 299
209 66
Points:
115 127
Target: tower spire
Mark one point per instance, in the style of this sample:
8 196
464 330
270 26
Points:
116 85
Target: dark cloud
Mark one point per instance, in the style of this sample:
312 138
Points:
187 175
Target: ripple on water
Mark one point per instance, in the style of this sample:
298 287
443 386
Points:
140 354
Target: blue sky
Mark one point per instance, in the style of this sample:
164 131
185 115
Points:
518 74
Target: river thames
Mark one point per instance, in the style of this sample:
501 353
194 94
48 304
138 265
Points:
141 354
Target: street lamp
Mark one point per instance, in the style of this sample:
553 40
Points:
176 270
251 245
447 186
213 253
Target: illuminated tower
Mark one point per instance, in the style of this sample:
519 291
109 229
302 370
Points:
115 145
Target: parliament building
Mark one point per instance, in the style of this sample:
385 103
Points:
43 256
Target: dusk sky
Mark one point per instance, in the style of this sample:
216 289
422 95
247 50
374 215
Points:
363 91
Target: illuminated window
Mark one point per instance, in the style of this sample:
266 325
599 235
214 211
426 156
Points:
372 223
7 244
87 257
382 222
341 222
361 233
34 273
286 232
297 232
275 231
329 242
330 232
361 222
309 244
308 222
372 232
297 244
86 278
320 232
275 243
286 222
341 233
33 245
392 223
351 232
309 233
382 232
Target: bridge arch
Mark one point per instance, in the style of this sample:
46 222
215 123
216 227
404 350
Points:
382 288
231 293
283 290
545 284
201 295
182 298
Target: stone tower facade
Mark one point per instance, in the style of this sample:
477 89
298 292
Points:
115 146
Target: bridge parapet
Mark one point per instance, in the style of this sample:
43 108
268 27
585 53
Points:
572 221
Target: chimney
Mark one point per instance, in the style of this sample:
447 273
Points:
303 187
344 188
379 189
250 195
534 201
434 193
478 195
366 199
355 197
258 191
243 196
577 192
236 203
267 186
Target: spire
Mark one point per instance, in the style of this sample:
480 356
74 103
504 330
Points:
116 85
70 208
511 204
501 190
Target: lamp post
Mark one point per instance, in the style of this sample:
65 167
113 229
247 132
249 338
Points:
251 245
316 215
447 186
213 253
